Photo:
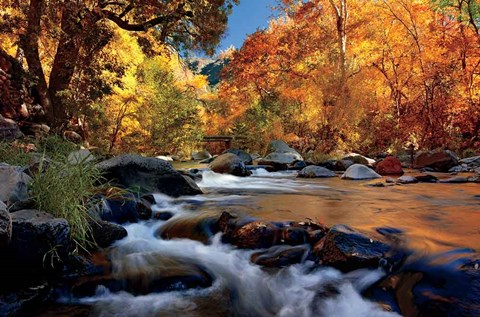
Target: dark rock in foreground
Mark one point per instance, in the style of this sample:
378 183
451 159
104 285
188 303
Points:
14 184
5 226
38 239
347 249
147 175
105 233
158 273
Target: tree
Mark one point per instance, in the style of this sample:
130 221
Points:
192 24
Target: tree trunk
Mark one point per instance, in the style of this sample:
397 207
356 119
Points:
341 13
29 42
64 63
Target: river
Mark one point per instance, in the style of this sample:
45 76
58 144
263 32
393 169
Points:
433 218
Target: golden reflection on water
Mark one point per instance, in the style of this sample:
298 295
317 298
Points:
435 217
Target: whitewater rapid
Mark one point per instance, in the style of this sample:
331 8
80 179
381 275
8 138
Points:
240 288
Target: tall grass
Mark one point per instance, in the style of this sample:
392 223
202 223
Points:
64 190
14 154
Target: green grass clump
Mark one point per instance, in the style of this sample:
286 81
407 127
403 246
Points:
64 191
56 147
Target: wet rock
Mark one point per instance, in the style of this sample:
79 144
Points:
359 172
472 162
315 231
163 215
407 180
459 169
80 157
313 171
201 155
390 180
147 175
455 180
347 249
440 161
5 226
426 179
14 184
281 256
298 166
38 239
229 164
244 156
343 165
25 301
389 166
474 179
199 227
105 233
123 209
158 273
256 235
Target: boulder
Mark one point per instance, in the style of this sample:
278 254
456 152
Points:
407 180
146 175
197 227
472 162
298 166
343 165
25 301
313 171
105 233
14 184
38 239
244 156
426 178
281 256
440 161
157 273
280 153
347 249
201 155
455 180
359 159
73 137
462 168
5 226
8 129
256 235
229 163
81 156
123 209
359 172
389 166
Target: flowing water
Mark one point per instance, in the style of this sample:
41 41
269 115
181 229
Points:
433 218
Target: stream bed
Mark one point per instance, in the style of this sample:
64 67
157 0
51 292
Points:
438 223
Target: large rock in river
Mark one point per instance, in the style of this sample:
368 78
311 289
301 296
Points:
389 166
105 233
38 238
359 172
244 156
5 226
14 184
313 171
280 153
229 163
440 161
147 175
347 249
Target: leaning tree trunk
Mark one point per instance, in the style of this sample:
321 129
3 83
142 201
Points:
29 43
64 63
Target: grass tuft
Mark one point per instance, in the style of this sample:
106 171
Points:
64 191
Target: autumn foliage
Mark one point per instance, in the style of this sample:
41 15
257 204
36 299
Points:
408 72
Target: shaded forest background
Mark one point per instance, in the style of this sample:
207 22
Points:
353 75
